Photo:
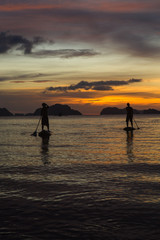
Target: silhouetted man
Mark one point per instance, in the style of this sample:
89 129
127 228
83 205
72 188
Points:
44 114
129 116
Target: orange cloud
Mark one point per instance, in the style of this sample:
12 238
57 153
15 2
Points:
126 7
122 6
19 7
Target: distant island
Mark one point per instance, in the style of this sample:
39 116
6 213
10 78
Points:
65 110
5 112
114 110
59 110
55 110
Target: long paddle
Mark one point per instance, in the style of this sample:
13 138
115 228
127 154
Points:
136 124
35 132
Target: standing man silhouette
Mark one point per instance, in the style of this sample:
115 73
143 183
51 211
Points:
129 116
44 114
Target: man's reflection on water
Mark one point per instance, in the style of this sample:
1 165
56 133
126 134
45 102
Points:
129 141
45 150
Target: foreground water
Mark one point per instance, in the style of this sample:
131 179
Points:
89 180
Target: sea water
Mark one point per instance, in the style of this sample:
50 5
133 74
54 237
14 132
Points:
89 180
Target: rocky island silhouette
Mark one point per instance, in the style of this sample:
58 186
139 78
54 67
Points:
65 110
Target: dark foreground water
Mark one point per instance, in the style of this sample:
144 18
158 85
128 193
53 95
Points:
89 180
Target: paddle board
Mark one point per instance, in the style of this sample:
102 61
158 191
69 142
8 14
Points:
129 129
44 133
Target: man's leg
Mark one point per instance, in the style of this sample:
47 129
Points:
127 121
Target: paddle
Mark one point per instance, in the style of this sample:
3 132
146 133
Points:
136 124
35 132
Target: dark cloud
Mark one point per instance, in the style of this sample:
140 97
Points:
136 44
65 53
20 78
36 81
99 85
102 88
129 31
42 81
9 41
133 80
127 26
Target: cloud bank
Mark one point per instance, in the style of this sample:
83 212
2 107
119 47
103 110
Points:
65 53
23 77
129 26
9 42
97 86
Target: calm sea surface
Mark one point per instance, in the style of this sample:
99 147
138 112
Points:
90 180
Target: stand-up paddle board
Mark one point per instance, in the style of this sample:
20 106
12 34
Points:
44 133
129 129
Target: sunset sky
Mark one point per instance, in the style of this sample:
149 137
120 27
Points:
89 54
